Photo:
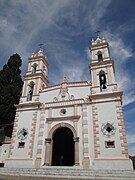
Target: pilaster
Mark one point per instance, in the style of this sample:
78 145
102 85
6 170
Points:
85 138
40 139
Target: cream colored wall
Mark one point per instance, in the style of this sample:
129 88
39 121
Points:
107 113
77 92
25 121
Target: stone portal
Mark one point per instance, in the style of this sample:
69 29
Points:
63 147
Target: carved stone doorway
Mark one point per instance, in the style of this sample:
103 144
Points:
63 149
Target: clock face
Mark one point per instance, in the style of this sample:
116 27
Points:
22 134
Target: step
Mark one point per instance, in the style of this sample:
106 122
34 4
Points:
64 172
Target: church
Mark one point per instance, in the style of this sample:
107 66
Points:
78 124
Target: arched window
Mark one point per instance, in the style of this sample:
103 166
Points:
102 79
34 68
30 91
100 57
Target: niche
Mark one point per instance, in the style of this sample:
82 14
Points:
109 144
99 55
30 91
34 68
21 144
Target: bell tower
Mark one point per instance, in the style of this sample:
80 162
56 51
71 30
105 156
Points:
102 67
36 77
108 123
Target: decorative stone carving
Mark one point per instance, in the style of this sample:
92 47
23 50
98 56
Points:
22 134
63 95
108 129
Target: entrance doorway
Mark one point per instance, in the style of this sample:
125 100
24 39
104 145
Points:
63 147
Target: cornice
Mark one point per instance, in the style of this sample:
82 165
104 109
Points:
102 63
39 75
38 58
69 84
62 118
64 103
105 97
28 105
98 46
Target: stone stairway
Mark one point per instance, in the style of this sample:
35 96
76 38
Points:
67 172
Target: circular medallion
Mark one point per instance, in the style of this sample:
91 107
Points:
108 129
22 134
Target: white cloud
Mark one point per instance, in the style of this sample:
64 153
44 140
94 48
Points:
131 144
25 24
121 53
130 138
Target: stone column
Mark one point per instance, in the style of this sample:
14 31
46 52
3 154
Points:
47 151
76 141
76 119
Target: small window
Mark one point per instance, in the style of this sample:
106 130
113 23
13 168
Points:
109 144
63 112
21 144
100 57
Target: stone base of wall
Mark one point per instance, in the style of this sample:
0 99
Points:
113 164
19 163
86 163
38 163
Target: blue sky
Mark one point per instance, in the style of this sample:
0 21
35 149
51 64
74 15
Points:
66 28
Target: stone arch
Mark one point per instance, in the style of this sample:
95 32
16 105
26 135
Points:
48 143
30 91
102 80
100 56
54 128
34 68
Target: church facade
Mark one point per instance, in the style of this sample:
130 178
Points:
77 124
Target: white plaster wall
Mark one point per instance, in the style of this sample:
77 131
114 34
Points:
19 163
25 121
107 113
69 111
79 92
113 164
48 96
